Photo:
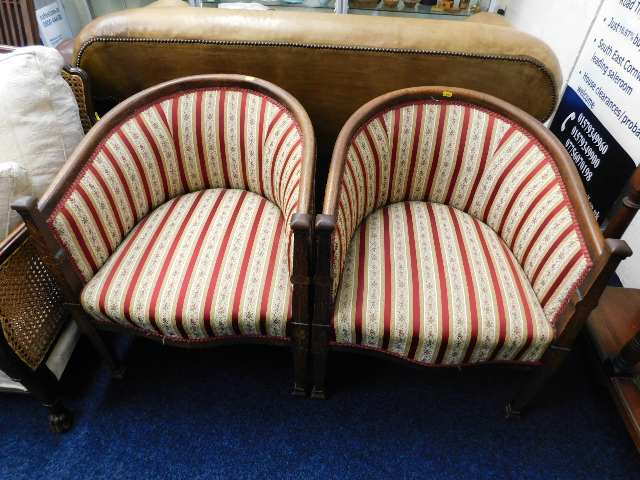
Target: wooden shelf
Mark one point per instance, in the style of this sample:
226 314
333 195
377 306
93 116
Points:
611 326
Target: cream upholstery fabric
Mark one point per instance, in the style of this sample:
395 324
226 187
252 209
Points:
207 264
434 285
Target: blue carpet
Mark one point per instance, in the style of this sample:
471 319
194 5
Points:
227 413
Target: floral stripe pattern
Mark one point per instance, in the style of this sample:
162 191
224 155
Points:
434 285
203 265
201 139
479 163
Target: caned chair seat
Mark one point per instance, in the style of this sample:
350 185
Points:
432 284
206 264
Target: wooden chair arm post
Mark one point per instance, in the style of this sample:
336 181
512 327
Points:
301 225
325 225
616 251
58 263
621 218
47 246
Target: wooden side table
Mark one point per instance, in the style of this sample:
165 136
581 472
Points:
614 328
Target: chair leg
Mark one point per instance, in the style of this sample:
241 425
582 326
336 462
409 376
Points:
60 419
300 350
117 369
536 381
320 350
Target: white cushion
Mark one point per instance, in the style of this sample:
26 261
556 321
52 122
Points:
39 120
14 182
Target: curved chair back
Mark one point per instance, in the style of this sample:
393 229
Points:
480 155
211 131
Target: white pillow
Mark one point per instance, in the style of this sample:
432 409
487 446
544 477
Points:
39 120
14 182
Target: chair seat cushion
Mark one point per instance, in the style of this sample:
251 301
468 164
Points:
434 285
203 265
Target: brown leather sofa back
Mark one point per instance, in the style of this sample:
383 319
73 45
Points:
332 63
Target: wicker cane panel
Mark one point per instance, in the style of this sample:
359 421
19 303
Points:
31 311
77 85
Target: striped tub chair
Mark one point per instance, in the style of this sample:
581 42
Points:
185 216
455 231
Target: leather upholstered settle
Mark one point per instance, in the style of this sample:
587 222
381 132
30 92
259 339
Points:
316 57
455 240
179 223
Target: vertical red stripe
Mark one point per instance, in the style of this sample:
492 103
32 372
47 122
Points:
362 254
377 183
500 301
387 251
79 238
133 283
488 136
506 137
416 314
433 171
123 181
261 140
141 170
394 152
536 201
200 142
516 194
120 256
97 218
222 142
110 199
561 277
153 303
282 191
460 157
151 140
443 287
248 252
192 263
502 178
274 159
353 212
264 301
414 148
365 181
541 227
176 124
545 258
523 298
213 282
273 122
471 289
243 126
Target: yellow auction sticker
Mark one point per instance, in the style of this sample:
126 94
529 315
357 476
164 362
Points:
447 94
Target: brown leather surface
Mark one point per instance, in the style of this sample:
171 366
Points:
332 63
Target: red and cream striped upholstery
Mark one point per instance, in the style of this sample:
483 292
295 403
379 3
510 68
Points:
206 264
479 163
206 138
434 285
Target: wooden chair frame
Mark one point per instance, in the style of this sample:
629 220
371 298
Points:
38 379
606 254
34 213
